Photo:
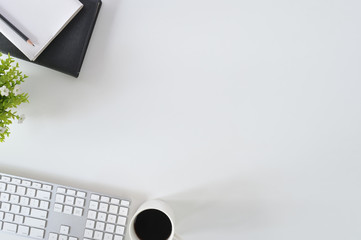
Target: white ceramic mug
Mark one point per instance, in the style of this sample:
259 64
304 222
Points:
157 205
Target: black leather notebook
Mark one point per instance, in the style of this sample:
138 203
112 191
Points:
67 51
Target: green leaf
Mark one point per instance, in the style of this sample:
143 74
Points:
10 77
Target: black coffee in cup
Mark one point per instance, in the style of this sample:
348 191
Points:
152 224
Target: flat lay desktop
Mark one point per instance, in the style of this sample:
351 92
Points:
224 119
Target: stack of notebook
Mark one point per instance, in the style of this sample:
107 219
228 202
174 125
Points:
60 43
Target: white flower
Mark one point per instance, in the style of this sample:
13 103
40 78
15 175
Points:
21 118
4 91
2 129
16 90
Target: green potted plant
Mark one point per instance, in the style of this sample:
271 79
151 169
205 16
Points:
10 95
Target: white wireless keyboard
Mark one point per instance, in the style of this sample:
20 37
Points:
43 210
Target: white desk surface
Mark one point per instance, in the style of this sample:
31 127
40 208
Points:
244 115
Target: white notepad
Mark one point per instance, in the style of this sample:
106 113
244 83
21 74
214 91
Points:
40 20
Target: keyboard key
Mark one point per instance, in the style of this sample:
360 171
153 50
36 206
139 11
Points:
58 207
100 226
14 198
64 229
119 230
34 203
113 209
98 235
2 186
108 236
59 198
125 203
23 230
104 199
9 217
79 202
36 233
10 227
110 228
93 205
123 211
53 236
37 213
63 237
31 192
115 201
47 187
15 208
16 180
121 220
24 200
21 190
102 216
33 222
117 237
5 197
11 188
5 207
19 219
36 185
69 200
25 210
90 224
92 214
81 194
112 218
44 205
68 210
95 197
78 211
26 183
61 190
88 233
103 207
6 179
71 192
44 195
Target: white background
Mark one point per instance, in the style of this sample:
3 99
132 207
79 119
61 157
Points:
243 115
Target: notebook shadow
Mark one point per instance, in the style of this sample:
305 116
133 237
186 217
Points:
106 22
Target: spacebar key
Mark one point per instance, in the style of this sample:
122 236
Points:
33 222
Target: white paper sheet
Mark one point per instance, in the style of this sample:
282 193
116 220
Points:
40 20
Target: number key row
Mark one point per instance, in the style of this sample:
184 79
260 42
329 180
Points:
27 183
